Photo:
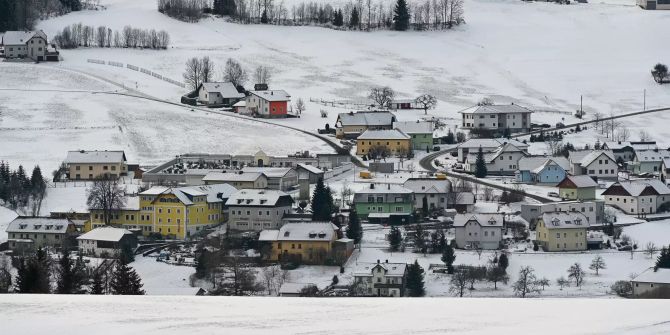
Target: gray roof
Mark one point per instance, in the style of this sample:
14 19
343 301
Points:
232 177
635 187
485 220
534 162
227 89
93 157
272 95
366 119
105 234
496 109
427 185
389 134
565 220
214 192
310 168
582 181
303 231
651 155
384 189
661 276
254 197
586 157
21 37
392 269
43 225
618 145
416 127
491 143
270 172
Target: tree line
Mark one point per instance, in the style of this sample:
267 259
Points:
20 191
22 14
203 70
79 35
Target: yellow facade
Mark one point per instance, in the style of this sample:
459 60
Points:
395 146
308 252
90 171
560 239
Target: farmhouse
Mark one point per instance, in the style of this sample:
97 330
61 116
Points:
421 133
268 104
106 241
404 104
648 161
488 145
503 161
224 94
88 165
478 231
372 142
25 44
562 231
434 191
304 242
596 163
384 204
497 118
639 197
541 169
652 284
30 233
351 125
380 279
577 188
256 210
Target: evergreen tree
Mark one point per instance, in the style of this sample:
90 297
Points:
395 238
424 206
66 275
264 17
663 260
480 164
339 18
37 183
127 255
355 19
97 285
125 281
503 262
415 284
200 264
354 229
448 257
33 274
401 16
322 202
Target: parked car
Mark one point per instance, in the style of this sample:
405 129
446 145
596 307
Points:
553 194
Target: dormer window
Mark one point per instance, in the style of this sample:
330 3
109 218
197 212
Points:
287 233
48 227
38 226
555 222
578 222
492 222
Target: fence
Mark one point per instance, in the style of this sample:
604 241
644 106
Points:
334 172
342 103
139 69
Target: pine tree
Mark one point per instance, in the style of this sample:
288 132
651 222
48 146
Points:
33 274
65 281
395 238
663 260
354 230
127 255
264 17
415 284
355 20
448 257
424 206
322 202
480 164
97 285
401 16
37 183
339 18
125 281
503 262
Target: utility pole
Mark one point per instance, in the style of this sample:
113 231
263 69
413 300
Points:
644 103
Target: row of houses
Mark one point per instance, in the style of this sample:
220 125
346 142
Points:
260 102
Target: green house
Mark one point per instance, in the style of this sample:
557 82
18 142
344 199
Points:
577 188
421 133
384 204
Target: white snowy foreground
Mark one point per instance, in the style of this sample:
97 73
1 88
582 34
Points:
39 314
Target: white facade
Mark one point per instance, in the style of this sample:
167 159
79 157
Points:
381 279
19 44
478 230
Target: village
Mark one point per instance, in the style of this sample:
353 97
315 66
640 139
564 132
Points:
257 186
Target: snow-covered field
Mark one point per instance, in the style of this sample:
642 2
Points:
6 216
240 315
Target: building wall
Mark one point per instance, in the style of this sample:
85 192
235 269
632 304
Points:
551 174
39 240
506 163
560 239
171 218
647 167
495 121
602 168
369 283
34 48
593 211
395 146
651 290
646 204
473 234
278 109
422 141
434 200
256 218
88 171
309 252
259 183
584 193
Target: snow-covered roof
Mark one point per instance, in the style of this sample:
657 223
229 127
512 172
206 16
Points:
110 234
270 172
491 143
666 162
268 235
496 109
661 276
565 220
392 269
427 185
637 187
384 189
581 181
618 145
232 177
366 119
465 198
255 197
21 37
386 134
307 231
651 155
310 168
532 163
38 225
272 95
414 127
293 288
94 157
485 220
241 103
586 157
226 89
214 192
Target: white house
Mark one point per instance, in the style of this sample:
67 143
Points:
256 210
21 44
478 230
639 197
503 161
268 104
380 279
434 190
594 163
487 144
219 94
652 284
106 241
497 118
648 161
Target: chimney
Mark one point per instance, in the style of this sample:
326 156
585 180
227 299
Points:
272 92
387 261
377 261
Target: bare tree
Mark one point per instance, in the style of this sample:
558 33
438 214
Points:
650 249
623 134
455 12
459 281
262 75
300 106
576 273
562 282
597 264
107 195
193 73
526 283
644 136
234 73
382 96
426 102
207 70
597 116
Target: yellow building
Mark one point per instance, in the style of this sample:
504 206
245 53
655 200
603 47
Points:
171 212
303 242
88 165
562 231
394 140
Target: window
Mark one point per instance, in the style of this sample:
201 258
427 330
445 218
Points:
77 167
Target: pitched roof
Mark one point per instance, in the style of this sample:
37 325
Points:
384 189
577 181
21 37
387 134
306 231
392 269
232 177
565 220
272 95
214 192
226 89
310 168
651 155
427 185
638 187
586 157
619 145
491 143
255 197
661 276
532 163
489 157
93 157
366 119
44 225
110 234
486 220
496 109
417 127
270 172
